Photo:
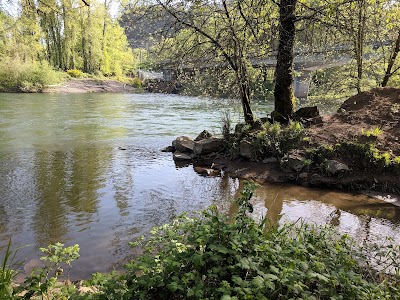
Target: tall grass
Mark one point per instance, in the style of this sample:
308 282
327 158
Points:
19 76
8 272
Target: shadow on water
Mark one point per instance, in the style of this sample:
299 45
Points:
87 169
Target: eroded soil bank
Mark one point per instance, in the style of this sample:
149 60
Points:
357 148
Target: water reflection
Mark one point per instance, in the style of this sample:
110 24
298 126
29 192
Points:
87 169
361 216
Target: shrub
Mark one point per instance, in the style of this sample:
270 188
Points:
136 82
17 76
276 140
75 73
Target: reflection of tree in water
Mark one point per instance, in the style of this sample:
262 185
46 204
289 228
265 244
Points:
66 182
349 212
122 181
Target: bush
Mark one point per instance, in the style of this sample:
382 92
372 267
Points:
75 73
17 76
136 82
276 140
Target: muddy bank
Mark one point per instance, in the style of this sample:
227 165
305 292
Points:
88 85
358 148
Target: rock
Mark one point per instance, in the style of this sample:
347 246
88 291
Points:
168 149
183 144
303 175
306 113
257 125
245 149
270 160
334 167
179 156
203 135
293 162
206 171
208 146
278 117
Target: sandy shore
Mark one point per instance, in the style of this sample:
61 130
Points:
87 85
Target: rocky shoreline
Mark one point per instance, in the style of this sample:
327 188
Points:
353 160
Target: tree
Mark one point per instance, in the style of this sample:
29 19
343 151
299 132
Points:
284 93
224 34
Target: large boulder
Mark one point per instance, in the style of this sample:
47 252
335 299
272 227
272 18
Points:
245 149
203 135
207 146
308 115
183 144
293 162
306 112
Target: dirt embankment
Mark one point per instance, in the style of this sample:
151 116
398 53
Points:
87 85
370 118
376 110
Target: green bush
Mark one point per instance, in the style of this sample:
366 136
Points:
17 76
276 140
75 73
136 82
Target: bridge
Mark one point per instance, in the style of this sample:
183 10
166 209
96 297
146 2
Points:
304 65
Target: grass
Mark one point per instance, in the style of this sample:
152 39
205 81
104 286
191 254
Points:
8 272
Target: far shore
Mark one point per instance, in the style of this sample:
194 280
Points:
88 85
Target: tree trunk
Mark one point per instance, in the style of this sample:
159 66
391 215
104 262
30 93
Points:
360 43
392 60
284 93
245 93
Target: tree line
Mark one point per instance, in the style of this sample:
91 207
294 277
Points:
68 34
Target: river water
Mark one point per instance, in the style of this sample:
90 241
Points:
87 169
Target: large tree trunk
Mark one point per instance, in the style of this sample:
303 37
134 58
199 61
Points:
392 59
284 93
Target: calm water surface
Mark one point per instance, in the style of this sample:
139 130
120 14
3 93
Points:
87 169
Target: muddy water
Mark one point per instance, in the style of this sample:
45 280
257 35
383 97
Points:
87 169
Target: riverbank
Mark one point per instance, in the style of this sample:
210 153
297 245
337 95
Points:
357 148
88 85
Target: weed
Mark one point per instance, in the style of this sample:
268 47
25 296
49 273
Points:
376 131
8 272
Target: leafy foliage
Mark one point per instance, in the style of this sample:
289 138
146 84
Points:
213 256
16 75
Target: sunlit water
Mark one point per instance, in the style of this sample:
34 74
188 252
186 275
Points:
87 169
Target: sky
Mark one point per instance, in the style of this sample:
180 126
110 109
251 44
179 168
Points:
11 7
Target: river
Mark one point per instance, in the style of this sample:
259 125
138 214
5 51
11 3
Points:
87 169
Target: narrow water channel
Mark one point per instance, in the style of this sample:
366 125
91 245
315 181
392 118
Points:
87 169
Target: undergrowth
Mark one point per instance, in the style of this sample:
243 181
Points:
365 156
270 140
18 76
213 256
